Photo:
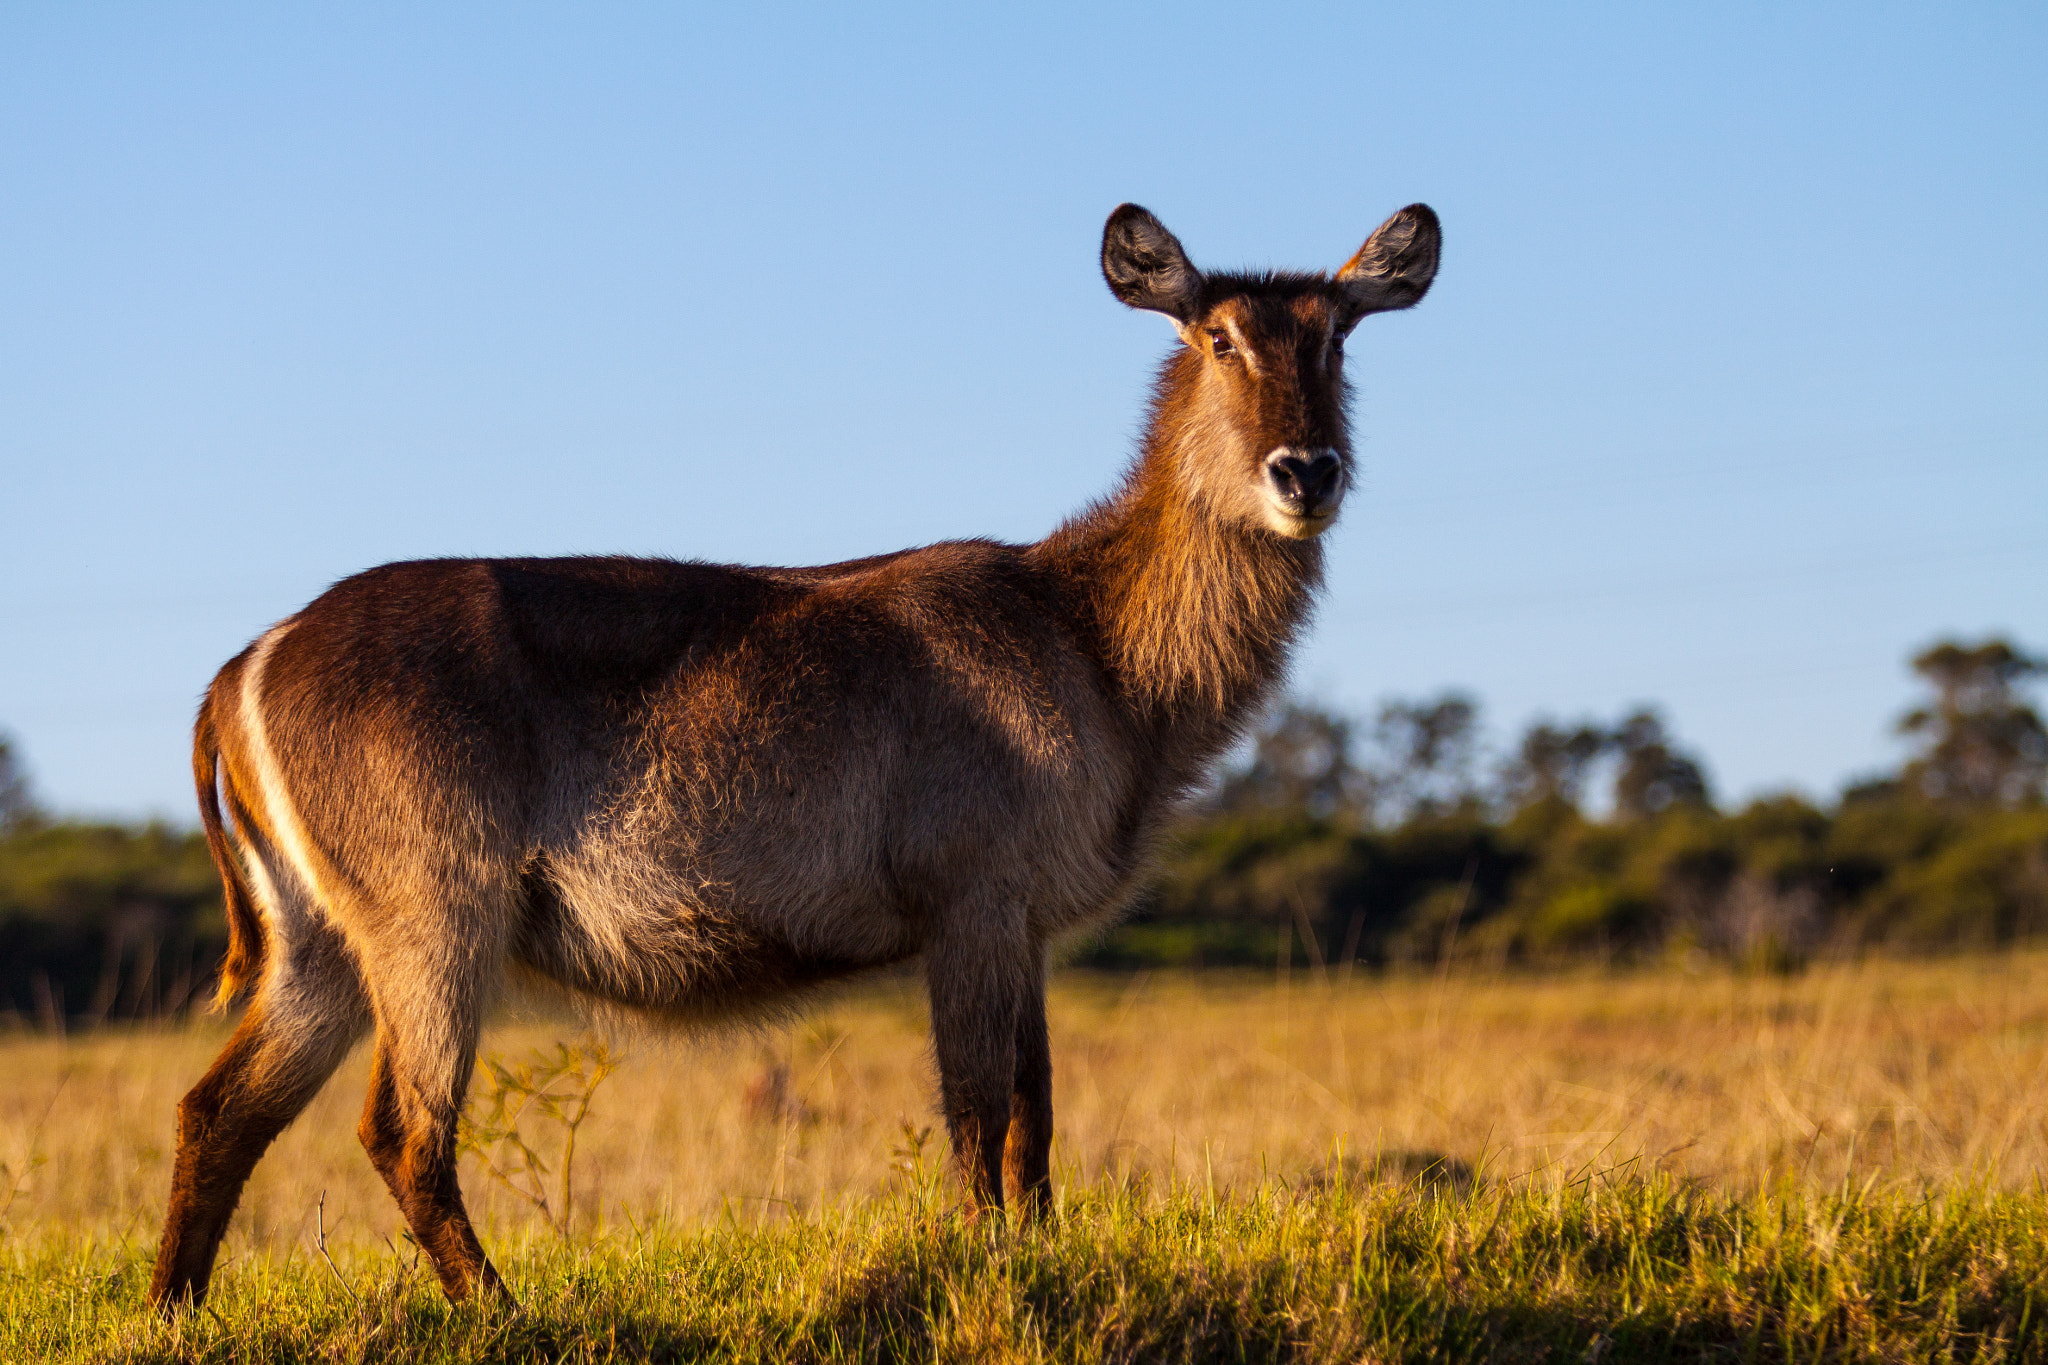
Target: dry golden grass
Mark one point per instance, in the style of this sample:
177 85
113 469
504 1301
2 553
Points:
1911 1072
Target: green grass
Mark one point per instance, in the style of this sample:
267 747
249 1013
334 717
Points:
1604 1270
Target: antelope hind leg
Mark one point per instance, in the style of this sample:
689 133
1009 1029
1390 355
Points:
418 1082
306 1015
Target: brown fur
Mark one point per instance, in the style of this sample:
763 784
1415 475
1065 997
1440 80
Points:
692 791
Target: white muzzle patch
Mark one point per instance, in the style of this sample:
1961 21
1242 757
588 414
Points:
1303 489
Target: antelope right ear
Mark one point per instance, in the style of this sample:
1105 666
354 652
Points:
1146 267
1395 266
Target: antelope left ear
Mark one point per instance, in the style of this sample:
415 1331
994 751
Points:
1395 266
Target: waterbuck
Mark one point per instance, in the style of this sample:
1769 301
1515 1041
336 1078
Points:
692 791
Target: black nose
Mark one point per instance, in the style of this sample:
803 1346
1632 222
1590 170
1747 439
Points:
1303 481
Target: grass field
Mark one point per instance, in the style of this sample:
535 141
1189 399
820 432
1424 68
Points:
1605 1167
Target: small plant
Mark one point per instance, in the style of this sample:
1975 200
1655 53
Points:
547 1089
911 1159
907 1156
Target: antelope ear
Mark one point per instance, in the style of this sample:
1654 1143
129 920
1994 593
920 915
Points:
1394 267
1146 267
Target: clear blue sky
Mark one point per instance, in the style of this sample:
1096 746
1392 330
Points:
1732 392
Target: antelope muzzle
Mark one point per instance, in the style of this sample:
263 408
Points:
1304 488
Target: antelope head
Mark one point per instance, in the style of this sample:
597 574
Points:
1253 407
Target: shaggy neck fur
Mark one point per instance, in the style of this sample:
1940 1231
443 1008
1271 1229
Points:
1195 612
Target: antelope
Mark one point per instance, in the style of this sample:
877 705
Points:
694 792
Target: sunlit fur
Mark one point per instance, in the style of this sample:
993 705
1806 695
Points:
692 792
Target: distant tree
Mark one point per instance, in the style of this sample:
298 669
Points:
1300 761
1979 741
1871 789
1552 763
17 802
1653 775
1426 757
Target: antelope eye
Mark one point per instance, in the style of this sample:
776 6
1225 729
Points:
1219 342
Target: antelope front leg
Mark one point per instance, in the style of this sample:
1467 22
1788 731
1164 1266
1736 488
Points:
977 993
1027 1158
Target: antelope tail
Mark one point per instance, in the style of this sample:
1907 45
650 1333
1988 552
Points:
245 927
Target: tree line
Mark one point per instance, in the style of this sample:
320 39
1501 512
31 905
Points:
1395 840
1343 840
